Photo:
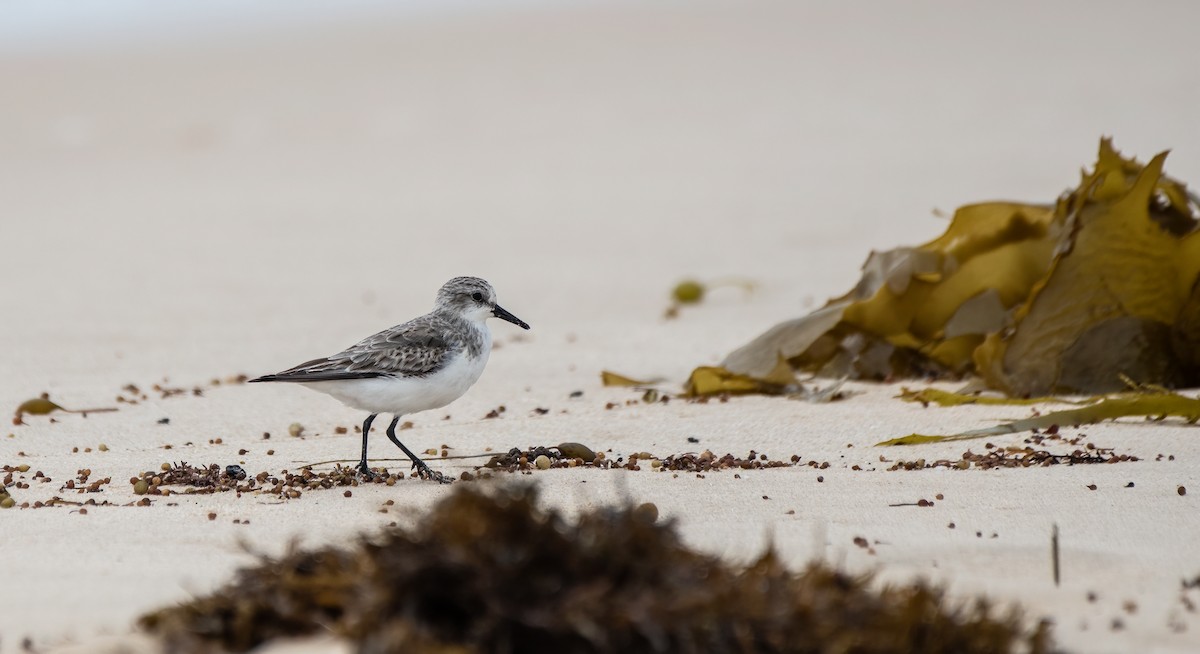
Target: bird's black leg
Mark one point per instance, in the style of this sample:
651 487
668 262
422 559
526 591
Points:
424 471
363 468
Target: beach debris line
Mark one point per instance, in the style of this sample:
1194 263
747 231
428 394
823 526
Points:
130 394
1017 457
575 455
489 570
133 394
1035 299
187 479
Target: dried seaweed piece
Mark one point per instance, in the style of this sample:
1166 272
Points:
918 310
494 572
613 379
1038 299
1122 276
708 380
690 291
42 405
927 396
1154 404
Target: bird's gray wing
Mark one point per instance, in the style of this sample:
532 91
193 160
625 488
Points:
415 349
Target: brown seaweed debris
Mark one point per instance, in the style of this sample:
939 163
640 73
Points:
1019 457
494 572
706 461
203 480
561 456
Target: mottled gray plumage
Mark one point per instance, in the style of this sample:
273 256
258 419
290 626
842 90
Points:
416 348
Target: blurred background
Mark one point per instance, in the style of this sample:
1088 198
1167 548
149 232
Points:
200 189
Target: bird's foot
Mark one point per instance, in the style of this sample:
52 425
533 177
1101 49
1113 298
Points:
425 472
365 472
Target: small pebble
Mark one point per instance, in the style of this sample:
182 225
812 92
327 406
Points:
577 451
295 429
347 494
103 447
212 516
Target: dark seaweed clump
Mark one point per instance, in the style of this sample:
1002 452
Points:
490 571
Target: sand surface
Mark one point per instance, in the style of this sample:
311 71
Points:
237 202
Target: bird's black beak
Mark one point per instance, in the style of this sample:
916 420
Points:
500 313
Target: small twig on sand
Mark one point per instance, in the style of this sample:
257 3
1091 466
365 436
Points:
440 458
1054 551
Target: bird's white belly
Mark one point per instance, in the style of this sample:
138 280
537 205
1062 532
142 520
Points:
404 395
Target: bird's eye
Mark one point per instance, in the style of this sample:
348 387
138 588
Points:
477 296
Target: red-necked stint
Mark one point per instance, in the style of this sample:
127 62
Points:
425 363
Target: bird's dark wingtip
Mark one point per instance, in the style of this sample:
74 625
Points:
264 378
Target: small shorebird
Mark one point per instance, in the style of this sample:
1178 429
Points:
426 363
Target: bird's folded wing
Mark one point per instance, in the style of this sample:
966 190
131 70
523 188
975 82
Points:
414 349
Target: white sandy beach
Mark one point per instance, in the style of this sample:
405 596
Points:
237 202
